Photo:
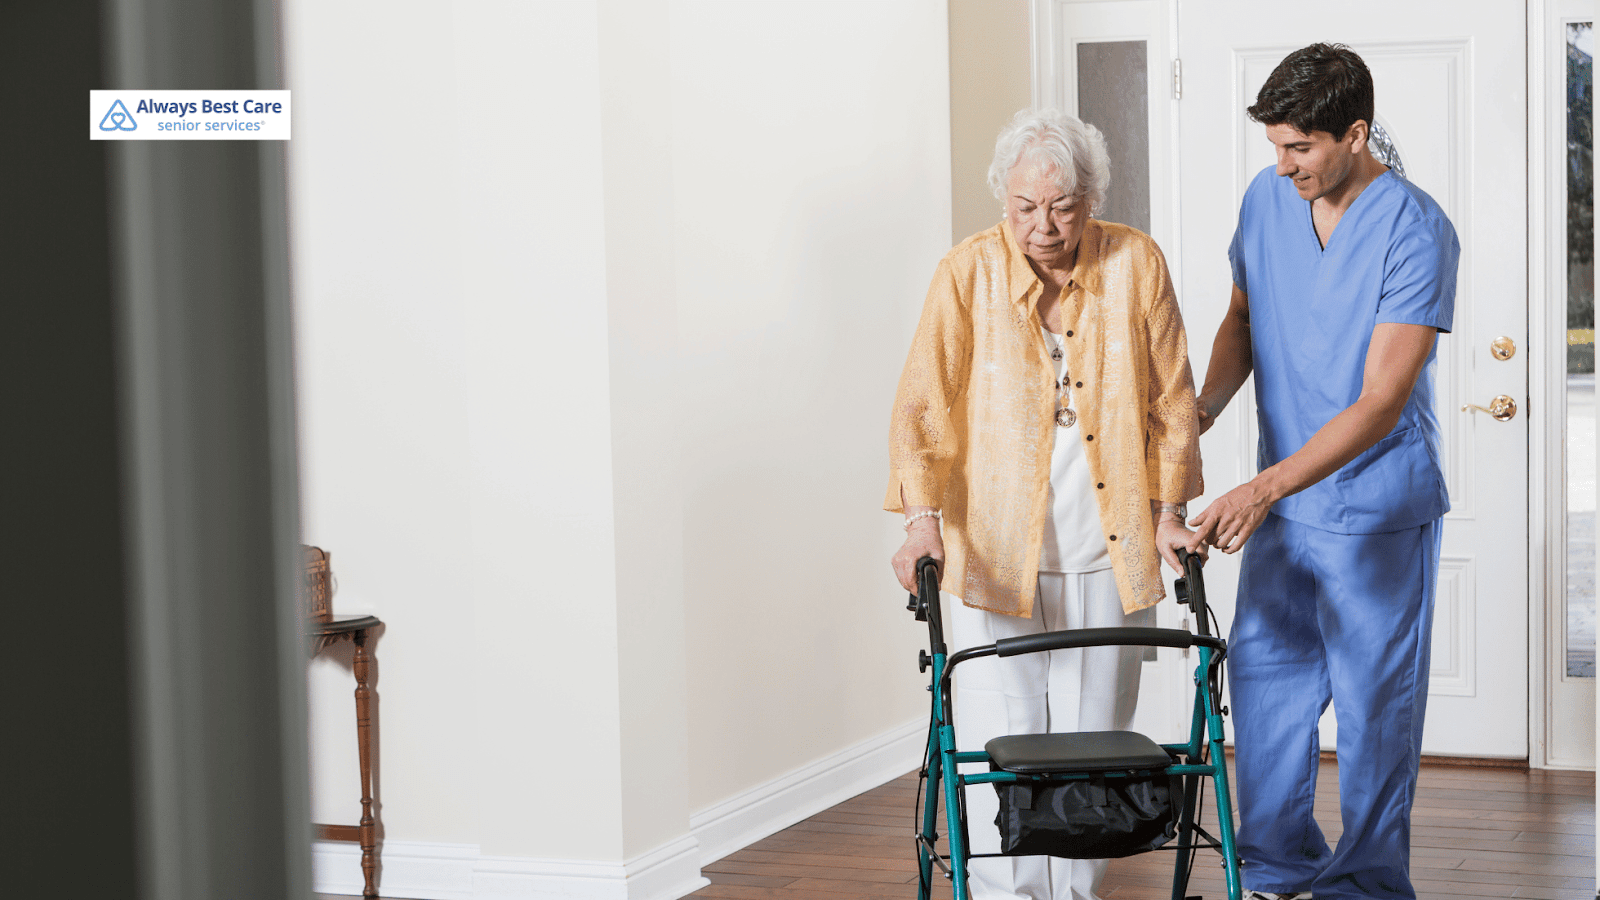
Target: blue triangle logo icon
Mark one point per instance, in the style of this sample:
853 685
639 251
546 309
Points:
118 118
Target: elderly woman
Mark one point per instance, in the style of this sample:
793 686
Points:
1045 425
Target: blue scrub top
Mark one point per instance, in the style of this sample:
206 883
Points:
1392 258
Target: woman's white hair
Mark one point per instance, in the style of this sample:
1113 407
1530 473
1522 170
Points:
1075 150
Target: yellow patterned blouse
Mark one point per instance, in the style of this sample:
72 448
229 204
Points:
974 416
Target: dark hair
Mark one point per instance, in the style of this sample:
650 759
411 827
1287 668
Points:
1323 87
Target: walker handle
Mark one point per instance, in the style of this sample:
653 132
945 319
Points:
1191 589
928 584
1101 637
925 603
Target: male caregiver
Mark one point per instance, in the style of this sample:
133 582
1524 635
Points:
1344 274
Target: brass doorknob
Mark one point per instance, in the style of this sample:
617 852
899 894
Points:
1503 408
1502 348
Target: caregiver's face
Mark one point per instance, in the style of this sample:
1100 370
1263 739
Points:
1317 163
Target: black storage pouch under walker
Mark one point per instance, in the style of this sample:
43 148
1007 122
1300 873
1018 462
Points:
1101 818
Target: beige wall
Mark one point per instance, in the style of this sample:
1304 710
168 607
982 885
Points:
990 79
600 310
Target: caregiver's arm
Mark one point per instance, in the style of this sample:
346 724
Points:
1395 358
1231 361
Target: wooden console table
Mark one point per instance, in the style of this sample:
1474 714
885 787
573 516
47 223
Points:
357 630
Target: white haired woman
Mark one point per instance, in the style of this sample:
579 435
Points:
1045 426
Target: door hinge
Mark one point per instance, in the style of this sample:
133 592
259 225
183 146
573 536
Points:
1177 79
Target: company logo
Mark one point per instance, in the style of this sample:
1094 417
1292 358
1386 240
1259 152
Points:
118 118
251 115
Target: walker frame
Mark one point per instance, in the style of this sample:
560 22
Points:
1200 757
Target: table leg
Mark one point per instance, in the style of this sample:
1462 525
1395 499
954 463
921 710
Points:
369 826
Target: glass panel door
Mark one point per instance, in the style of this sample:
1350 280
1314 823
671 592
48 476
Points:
1580 630
1114 96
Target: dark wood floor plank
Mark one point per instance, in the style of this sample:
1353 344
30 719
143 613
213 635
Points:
863 843
1513 879
772 881
845 886
1430 888
902 862
746 892
730 864
1555 893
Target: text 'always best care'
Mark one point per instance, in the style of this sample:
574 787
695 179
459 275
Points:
210 107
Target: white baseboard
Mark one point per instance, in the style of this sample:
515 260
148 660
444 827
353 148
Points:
426 871
666 873
430 871
767 809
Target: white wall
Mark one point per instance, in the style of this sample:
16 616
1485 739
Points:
811 161
383 394
600 310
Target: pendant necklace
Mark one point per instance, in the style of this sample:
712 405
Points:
1066 416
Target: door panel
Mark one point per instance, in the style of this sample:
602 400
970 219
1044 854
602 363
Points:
1450 82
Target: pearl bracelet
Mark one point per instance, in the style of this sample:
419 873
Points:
926 514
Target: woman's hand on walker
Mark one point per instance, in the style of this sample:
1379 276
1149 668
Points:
922 539
1171 535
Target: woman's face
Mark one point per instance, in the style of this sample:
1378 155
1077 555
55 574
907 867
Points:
1045 221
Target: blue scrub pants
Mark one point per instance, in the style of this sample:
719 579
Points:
1347 618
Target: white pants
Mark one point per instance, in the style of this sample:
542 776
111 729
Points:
1090 689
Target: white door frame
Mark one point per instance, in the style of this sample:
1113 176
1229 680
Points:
1544 503
1547 524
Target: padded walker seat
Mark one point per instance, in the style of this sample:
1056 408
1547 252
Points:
1084 751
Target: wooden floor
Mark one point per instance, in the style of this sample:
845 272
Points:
1477 832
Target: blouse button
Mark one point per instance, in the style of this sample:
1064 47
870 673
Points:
1088 437
1113 537
1069 334
1101 486
1080 384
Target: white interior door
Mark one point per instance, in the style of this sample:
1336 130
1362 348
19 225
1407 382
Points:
1450 80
